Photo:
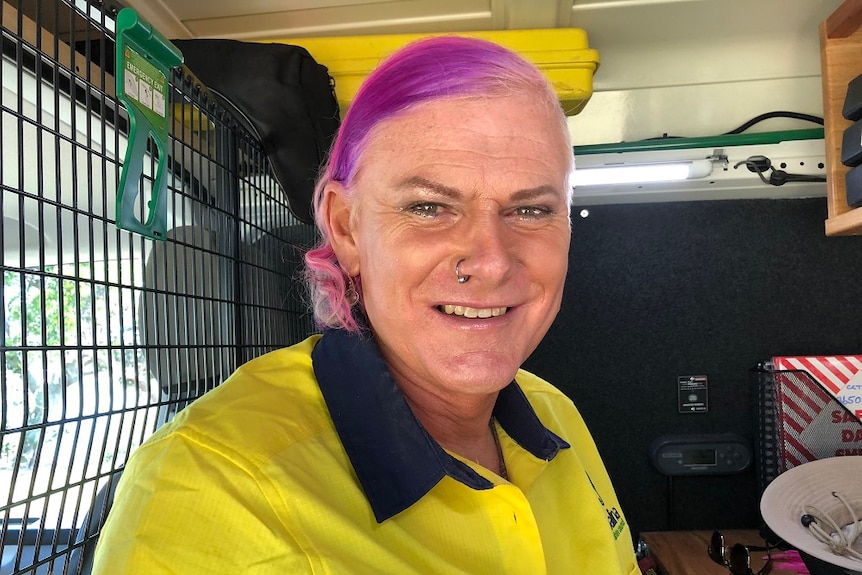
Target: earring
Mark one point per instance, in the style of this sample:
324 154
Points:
351 295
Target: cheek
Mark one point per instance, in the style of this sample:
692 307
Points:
385 276
554 280
552 258
398 254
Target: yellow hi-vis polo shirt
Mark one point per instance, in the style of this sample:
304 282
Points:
308 460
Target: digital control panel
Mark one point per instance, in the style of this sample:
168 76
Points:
706 454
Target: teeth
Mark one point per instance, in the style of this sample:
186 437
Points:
473 312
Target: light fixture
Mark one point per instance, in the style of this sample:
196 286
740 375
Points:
705 168
641 173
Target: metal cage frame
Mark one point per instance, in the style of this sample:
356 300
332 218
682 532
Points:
108 334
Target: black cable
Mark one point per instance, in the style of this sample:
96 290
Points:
756 164
757 119
777 114
780 177
760 164
670 510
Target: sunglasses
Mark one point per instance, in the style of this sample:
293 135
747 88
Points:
737 558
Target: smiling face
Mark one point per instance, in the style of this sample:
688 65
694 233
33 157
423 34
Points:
483 182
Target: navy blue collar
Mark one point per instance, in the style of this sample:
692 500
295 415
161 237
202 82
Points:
396 460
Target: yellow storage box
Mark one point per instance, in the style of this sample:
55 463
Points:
561 53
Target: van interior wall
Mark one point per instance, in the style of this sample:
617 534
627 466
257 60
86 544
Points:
656 291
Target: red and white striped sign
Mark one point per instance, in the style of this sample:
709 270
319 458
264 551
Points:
833 372
840 375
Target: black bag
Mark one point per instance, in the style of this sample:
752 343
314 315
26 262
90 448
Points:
282 96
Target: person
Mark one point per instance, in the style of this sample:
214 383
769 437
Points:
406 438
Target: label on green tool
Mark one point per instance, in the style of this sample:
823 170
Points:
147 86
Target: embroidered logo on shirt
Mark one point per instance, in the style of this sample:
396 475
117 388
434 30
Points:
615 519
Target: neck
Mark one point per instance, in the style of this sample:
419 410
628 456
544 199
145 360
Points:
463 428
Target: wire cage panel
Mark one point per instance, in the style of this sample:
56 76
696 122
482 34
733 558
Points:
108 334
798 422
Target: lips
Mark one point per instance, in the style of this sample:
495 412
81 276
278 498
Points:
472 312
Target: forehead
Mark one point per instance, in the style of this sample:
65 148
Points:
512 136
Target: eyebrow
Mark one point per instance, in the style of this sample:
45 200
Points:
436 188
418 182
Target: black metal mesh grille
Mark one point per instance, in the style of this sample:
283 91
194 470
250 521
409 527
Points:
798 422
108 334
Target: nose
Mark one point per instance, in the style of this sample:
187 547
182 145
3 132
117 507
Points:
487 248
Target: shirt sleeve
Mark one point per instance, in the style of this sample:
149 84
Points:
185 506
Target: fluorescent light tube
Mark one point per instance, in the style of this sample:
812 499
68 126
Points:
641 173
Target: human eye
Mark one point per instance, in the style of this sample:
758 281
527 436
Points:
533 212
423 209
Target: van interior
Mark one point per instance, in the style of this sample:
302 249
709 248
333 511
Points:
676 290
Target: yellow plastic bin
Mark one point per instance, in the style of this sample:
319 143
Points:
562 54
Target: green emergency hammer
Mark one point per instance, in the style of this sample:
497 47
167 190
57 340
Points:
144 61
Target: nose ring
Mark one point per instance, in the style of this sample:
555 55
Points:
461 279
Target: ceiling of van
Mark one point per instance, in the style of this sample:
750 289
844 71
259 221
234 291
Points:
684 67
607 21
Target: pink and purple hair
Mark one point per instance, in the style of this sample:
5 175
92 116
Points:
431 69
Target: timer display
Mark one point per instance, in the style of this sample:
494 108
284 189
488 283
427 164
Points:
698 457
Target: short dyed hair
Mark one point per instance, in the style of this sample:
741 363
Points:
435 68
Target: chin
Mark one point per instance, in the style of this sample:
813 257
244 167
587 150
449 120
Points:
488 371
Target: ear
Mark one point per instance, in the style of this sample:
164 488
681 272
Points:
337 210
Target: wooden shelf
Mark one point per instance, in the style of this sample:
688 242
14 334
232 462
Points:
684 552
840 62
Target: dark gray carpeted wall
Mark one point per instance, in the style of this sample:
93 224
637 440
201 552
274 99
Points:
656 291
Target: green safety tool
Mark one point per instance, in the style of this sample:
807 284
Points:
144 61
